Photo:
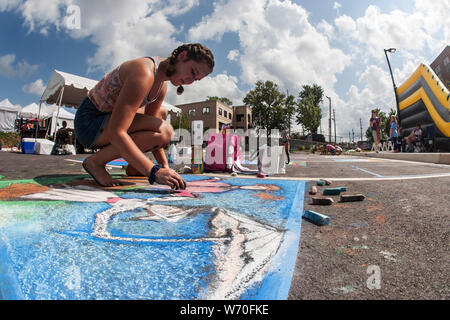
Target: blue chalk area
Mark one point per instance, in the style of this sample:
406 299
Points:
248 162
47 251
277 283
117 162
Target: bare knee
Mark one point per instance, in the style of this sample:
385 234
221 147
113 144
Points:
166 131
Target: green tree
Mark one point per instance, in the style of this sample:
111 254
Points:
385 125
180 121
221 99
268 106
309 114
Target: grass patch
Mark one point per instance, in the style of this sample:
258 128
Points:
9 139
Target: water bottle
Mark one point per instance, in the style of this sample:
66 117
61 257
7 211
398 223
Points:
172 156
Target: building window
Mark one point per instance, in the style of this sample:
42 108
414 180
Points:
249 120
240 117
438 70
220 111
225 113
206 110
192 112
447 64
230 116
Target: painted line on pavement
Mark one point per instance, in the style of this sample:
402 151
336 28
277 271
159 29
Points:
367 171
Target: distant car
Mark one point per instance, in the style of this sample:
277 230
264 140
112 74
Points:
315 137
364 145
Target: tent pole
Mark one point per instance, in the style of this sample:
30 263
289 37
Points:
36 130
61 93
179 126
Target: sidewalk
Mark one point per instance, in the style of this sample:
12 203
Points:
437 158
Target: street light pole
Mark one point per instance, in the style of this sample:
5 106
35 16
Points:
329 122
392 50
334 120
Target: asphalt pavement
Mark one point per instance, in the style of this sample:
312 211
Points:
393 245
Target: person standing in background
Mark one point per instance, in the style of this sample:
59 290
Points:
376 129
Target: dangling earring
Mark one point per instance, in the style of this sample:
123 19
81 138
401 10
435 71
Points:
180 90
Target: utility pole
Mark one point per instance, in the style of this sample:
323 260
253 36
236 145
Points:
285 105
329 122
353 134
360 124
349 138
334 119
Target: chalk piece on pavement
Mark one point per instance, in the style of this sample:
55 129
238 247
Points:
352 197
313 190
332 192
321 183
322 201
317 218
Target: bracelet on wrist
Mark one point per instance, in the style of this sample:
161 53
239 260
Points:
152 176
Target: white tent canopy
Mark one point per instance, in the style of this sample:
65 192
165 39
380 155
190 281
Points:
32 111
170 107
70 90
67 89
8 115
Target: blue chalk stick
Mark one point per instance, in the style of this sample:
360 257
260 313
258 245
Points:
332 192
317 218
343 189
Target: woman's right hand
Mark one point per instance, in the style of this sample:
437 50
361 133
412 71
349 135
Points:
169 177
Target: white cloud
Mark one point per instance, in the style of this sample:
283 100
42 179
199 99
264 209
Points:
221 85
325 28
9 68
345 24
37 87
408 31
6 5
121 30
233 55
278 43
41 13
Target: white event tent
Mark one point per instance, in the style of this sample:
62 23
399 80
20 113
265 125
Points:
32 111
8 116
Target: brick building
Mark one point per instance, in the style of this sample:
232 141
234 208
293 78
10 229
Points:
441 66
215 114
242 118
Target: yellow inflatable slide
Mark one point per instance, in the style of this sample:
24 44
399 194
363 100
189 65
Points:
423 99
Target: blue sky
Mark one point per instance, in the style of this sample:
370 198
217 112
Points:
336 44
